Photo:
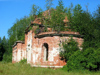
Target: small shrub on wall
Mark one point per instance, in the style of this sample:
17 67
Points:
23 61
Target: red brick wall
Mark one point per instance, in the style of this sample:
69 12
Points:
18 52
14 54
53 54
35 55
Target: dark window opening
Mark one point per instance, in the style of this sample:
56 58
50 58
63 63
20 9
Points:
45 52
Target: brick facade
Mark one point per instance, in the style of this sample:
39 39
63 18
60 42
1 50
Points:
34 49
43 49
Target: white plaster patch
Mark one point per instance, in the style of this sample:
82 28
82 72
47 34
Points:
56 37
14 56
53 53
29 56
34 58
18 55
47 66
56 61
29 48
36 54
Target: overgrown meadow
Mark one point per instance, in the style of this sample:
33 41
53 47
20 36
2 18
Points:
26 69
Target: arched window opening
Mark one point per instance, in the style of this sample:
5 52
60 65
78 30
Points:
45 51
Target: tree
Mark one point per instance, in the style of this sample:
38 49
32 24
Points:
4 40
49 5
87 59
82 21
36 10
7 56
57 17
75 62
69 48
2 47
60 6
1 51
16 32
0 40
48 14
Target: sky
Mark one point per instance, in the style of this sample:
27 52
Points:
10 10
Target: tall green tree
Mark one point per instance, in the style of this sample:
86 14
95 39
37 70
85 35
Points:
16 32
83 22
48 13
4 40
57 17
49 6
3 47
1 51
36 10
0 40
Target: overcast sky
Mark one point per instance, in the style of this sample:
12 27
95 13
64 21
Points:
10 10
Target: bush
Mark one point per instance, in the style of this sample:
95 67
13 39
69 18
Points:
76 62
92 58
87 59
7 57
69 47
23 61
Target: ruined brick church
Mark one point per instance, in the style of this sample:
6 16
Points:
42 49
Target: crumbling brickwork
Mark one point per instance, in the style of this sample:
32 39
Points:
42 49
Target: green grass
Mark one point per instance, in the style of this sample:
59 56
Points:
25 69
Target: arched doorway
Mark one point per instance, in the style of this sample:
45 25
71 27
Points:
45 52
